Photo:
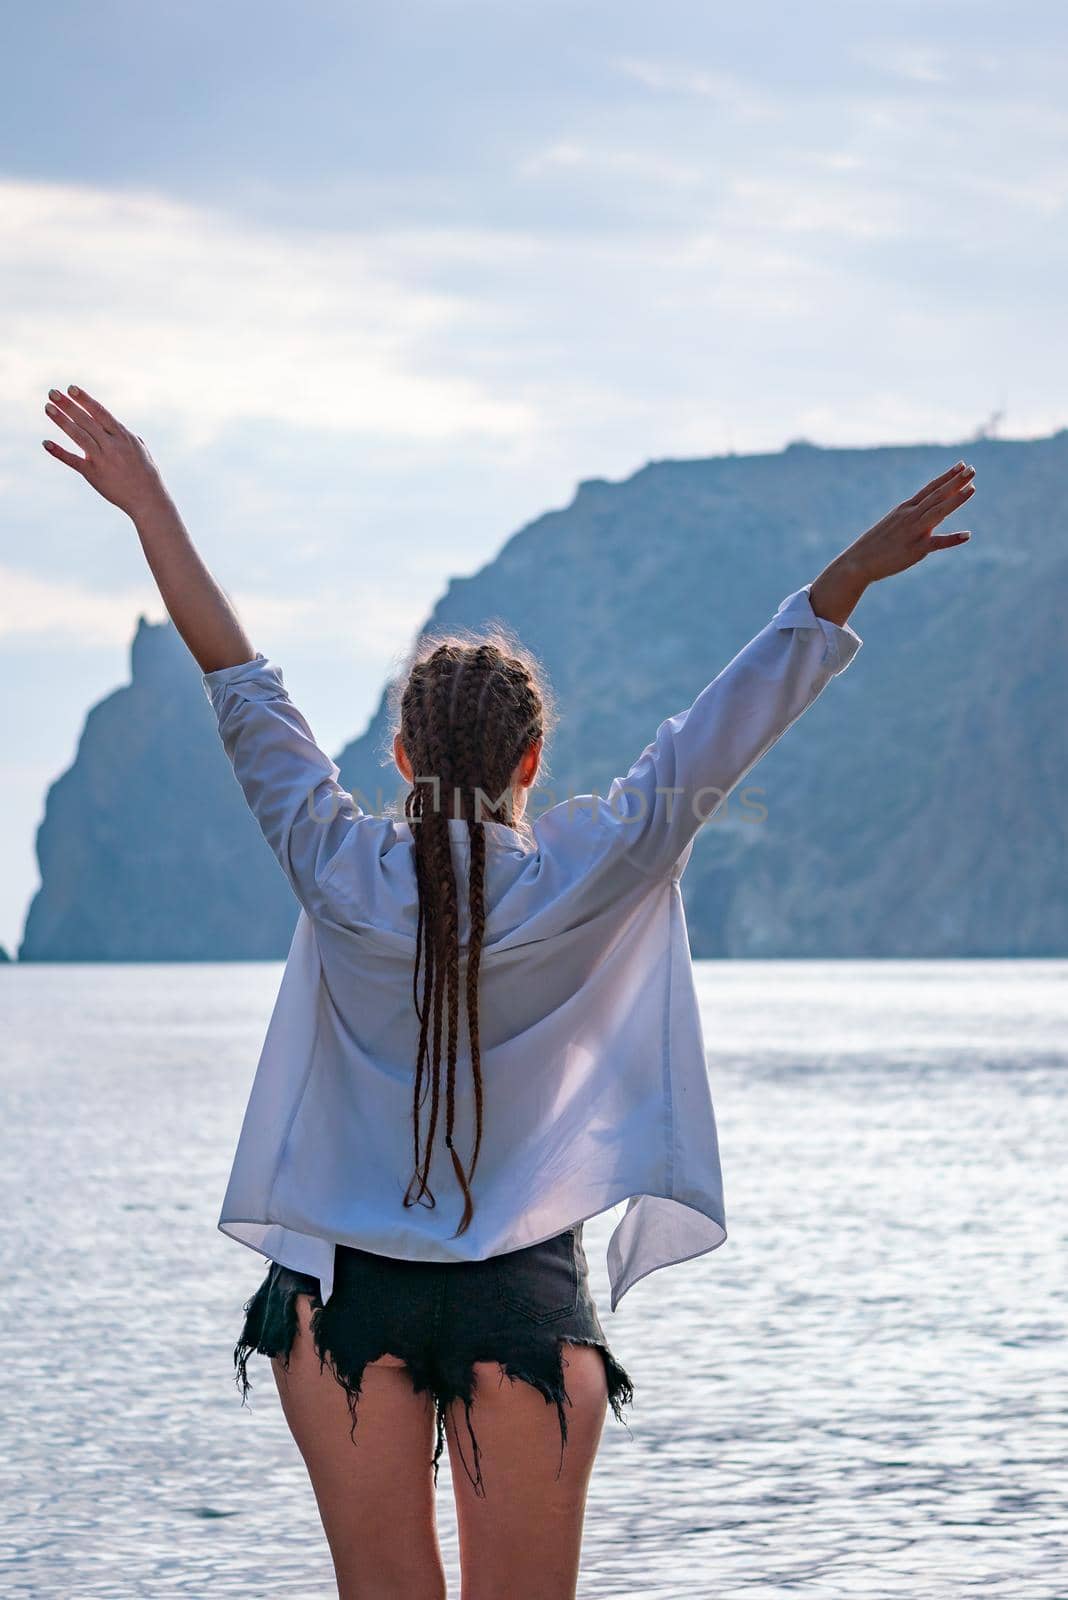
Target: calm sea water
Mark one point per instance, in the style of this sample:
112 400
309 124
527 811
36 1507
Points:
863 1393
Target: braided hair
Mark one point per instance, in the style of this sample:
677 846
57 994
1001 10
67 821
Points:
467 708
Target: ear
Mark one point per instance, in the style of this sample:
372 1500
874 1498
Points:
401 758
528 765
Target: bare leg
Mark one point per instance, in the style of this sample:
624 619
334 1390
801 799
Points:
523 1540
374 1491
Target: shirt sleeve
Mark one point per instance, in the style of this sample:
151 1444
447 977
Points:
650 816
291 786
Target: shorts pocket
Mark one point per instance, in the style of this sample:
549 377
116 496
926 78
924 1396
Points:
541 1280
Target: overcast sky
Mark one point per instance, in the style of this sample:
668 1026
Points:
380 284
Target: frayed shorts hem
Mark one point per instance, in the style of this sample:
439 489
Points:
486 1322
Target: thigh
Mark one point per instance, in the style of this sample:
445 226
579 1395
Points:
373 1484
523 1538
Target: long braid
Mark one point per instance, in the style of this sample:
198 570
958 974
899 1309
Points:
438 891
474 957
468 696
468 711
427 929
422 1012
442 754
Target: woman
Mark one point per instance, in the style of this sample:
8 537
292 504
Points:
557 950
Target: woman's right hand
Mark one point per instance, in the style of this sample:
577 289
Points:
117 462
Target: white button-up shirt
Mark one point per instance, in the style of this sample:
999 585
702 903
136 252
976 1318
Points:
593 1060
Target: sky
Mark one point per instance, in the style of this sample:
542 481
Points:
380 285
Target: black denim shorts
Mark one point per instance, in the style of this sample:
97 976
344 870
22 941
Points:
517 1309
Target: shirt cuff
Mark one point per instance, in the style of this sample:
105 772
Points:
258 679
842 642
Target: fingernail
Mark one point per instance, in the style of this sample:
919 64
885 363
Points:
53 394
73 387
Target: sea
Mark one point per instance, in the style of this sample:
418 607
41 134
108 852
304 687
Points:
863 1392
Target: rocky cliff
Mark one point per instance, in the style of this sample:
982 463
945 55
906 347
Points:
914 811
147 851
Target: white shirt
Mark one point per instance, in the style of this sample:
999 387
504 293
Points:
593 1060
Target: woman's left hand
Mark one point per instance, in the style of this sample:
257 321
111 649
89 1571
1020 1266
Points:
899 540
906 534
116 462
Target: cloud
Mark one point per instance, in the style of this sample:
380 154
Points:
631 165
364 622
34 605
171 308
915 63
736 96
778 205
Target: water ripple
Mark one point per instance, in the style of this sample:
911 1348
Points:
862 1394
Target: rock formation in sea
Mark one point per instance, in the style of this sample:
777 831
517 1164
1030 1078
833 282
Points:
147 851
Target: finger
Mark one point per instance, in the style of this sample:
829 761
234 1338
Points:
100 413
77 462
935 483
940 511
943 541
947 486
76 431
942 501
62 403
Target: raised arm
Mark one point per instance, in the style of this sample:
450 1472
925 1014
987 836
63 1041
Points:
117 464
290 784
649 817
